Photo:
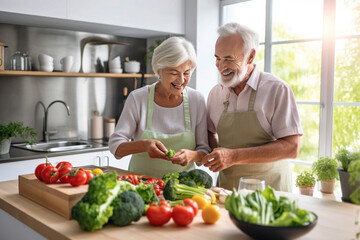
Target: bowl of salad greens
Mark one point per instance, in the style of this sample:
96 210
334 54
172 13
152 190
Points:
263 215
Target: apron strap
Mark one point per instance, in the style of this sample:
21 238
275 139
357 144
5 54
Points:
186 111
253 96
151 107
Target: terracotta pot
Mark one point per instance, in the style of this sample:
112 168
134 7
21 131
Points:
328 186
306 190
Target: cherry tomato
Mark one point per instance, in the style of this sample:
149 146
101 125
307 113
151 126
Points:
183 215
77 177
39 169
61 164
201 200
160 182
157 190
63 173
159 213
192 204
50 174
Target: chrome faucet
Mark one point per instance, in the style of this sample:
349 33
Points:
47 133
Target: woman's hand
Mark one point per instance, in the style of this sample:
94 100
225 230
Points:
184 156
155 149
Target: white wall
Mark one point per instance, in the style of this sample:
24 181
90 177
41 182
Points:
201 23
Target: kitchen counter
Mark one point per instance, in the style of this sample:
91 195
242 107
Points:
18 154
336 221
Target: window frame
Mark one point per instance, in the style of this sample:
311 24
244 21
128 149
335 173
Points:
328 39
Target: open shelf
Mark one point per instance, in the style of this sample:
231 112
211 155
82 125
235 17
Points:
71 74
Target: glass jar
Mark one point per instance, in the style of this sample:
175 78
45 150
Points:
27 61
17 62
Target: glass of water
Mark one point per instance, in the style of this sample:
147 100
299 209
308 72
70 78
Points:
251 183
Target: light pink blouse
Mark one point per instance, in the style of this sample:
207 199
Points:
275 105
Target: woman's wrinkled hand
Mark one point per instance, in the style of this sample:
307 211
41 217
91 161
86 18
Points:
155 149
184 156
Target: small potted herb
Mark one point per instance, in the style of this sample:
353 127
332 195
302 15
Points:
349 174
12 130
325 168
306 182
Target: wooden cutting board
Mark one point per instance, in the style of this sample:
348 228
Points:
58 197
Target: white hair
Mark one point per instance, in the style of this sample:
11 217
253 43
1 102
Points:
173 52
250 37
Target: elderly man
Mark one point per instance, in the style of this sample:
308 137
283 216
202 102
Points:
253 122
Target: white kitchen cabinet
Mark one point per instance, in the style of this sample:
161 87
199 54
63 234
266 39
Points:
156 15
77 160
44 8
110 160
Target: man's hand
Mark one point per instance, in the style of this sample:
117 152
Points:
219 159
155 149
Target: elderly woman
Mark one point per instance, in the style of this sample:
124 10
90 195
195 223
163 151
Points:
166 115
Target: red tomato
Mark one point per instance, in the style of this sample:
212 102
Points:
89 175
61 164
192 204
157 190
183 215
39 169
63 173
50 174
77 177
159 213
160 182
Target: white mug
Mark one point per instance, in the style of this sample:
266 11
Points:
67 63
45 60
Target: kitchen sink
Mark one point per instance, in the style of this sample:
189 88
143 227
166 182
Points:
56 146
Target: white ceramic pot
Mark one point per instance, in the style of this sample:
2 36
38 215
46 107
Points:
5 146
132 67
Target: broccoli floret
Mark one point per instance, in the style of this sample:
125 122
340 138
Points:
188 182
170 153
147 193
128 207
200 177
94 209
169 176
174 190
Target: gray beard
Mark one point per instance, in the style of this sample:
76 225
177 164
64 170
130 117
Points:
236 80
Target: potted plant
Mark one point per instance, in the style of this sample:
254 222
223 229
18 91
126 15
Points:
12 130
325 168
306 183
349 174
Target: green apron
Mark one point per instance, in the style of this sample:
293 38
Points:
155 167
241 130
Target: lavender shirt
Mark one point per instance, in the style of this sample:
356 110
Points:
275 105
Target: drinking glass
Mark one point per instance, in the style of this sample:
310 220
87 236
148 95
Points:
251 183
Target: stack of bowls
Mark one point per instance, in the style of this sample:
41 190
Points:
115 65
46 63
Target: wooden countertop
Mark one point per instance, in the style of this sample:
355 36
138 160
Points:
336 221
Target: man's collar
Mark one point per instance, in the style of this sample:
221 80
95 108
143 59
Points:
254 78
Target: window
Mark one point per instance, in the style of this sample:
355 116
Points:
314 45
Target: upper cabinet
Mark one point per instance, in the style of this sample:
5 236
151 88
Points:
155 15
132 18
44 8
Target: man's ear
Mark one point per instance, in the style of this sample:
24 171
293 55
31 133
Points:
251 56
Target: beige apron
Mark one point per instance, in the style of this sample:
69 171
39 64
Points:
241 130
155 167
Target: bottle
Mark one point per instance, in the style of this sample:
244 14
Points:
17 62
109 127
96 126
